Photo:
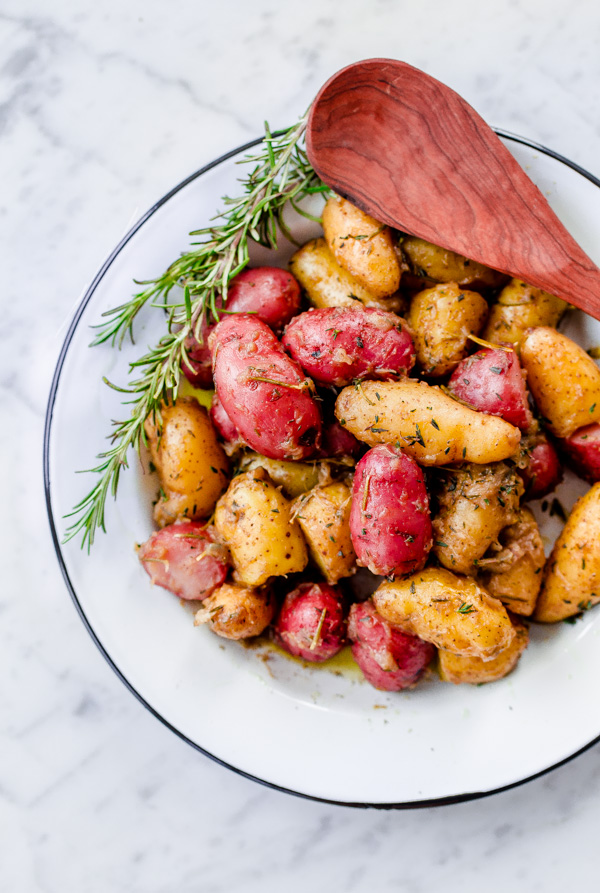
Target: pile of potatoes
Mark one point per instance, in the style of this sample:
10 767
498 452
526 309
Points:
386 405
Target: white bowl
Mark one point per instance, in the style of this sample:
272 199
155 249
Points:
310 732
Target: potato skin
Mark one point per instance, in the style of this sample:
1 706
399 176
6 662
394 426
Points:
583 450
441 319
293 478
269 292
389 519
563 379
191 464
492 381
453 613
513 573
459 669
324 516
185 559
572 574
543 472
362 245
428 425
475 503
337 345
263 391
441 265
311 622
225 428
237 612
254 520
518 308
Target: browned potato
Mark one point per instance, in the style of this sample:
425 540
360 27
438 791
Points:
254 520
327 284
457 669
427 424
191 465
520 306
513 570
324 516
237 612
572 574
454 613
294 478
361 245
475 503
563 379
441 319
441 265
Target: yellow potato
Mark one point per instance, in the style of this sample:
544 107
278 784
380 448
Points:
441 319
456 668
191 465
324 516
236 612
294 478
518 308
514 573
563 379
475 503
453 612
572 574
254 520
327 284
425 422
361 245
437 263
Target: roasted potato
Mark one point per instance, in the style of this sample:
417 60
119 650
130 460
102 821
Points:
327 284
254 520
389 519
475 503
294 478
520 306
232 440
441 319
311 623
191 465
236 612
542 471
492 381
583 450
426 423
512 571
263 391
361 245
453 613
271 294
324 516
337 345
457 668
571 580
563 379
441 265
186 559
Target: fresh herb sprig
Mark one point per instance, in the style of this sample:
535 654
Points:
281 176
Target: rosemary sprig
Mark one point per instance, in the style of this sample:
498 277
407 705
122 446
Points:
281 175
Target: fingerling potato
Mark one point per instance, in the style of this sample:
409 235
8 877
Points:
518 308
254 520
237 612
324 516
294 478
459 669
425 422
564 380
362 245
453 613
441 265
572 574
513 572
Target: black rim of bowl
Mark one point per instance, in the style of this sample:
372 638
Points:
413 804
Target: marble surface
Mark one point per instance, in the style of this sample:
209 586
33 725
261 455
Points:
103 107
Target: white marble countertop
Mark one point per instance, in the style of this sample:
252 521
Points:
103 108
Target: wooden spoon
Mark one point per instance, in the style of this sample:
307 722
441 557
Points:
410 152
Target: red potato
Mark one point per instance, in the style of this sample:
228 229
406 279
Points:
389 659
225 427
544 472
336 345
263 391
311 622
273 295
185 559
390 524
491 381
583 451
338 442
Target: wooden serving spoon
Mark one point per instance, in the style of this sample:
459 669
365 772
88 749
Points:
413 154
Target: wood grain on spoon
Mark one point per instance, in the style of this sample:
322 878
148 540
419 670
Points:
412 153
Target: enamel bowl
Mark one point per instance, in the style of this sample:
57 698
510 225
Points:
320 733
